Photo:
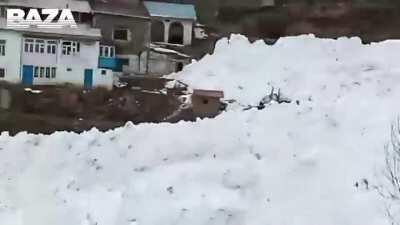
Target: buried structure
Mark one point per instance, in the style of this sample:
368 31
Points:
46 109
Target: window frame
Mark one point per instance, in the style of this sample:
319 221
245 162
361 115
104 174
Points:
107 51
40 46
2 73
3 47
29 45
53 72
45 72
70 47
51 47
128 34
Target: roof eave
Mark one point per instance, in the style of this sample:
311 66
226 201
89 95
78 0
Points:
121 14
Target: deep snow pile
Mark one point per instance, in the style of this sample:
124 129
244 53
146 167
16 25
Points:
294 164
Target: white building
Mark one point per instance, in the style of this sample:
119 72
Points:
10 55
43 56
53 58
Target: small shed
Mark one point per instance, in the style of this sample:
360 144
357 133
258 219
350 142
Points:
207 103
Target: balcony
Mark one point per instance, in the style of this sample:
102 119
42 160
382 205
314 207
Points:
113 64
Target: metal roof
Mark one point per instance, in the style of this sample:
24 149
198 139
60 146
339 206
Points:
171 10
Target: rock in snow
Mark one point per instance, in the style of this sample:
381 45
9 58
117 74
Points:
290 164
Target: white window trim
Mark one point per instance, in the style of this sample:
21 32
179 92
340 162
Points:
29 45
52 46
110 51
39 46
70 49
38 75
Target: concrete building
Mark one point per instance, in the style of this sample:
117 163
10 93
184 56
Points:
171 22
50 58
172 30
10 55
42 56
125 29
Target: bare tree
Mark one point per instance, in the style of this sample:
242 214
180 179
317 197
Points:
390 187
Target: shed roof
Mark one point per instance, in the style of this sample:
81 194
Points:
208 93
74 5
171 10
120 7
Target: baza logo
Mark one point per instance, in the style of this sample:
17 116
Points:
16 18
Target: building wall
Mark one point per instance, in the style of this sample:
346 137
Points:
138 27
205 106
187 29
103 80
161 64
11 60
70 68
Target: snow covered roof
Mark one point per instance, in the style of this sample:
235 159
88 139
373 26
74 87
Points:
167 51
83 31
74 5
171 10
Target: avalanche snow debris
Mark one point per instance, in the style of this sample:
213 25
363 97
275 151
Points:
312 152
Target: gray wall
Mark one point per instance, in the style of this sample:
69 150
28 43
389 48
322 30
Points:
139 29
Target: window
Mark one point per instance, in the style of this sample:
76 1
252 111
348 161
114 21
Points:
3 11
47 72
39 46
51 47
70 47
2 72
121 34
103 72
107 51
3 47
77 16
69 69
36 72
28 46
43 72
53 72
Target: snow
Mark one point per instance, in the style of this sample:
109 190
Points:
289 164
167 51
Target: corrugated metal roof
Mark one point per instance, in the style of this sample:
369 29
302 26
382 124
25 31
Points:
75 5
171 10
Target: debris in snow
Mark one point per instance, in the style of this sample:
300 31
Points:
120 84
170 189
33 91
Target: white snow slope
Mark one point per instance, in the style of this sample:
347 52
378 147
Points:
286 165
